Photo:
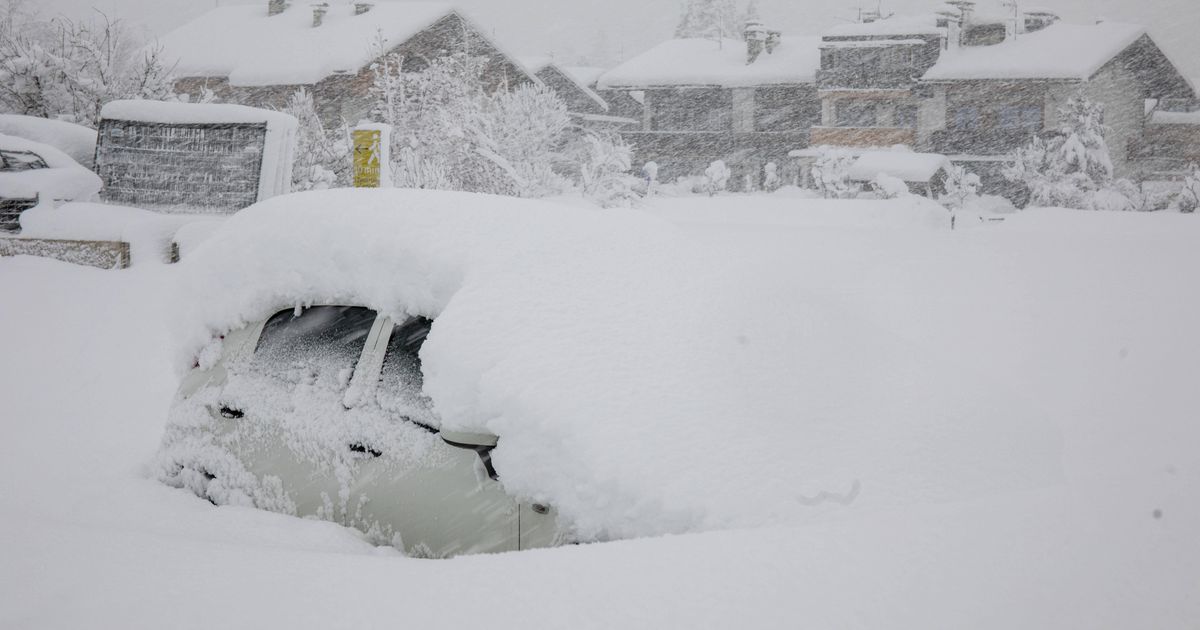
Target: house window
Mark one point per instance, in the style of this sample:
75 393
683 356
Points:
966 118
1024 118
906 116
785 109
856 114
692 110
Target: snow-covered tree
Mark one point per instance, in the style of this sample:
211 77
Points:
889 186
961 186
716 178
771 181
1069 168
604 174
1188 199
831 171
451 133
69 69
714 19
322 159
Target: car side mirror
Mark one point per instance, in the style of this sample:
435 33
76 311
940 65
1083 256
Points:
469 440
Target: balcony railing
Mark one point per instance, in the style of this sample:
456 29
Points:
863 136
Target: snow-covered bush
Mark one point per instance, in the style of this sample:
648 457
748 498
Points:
451 133
1069 169
889 187
650 177
604 174
1188 199
322 159
771 180
962 186
716 178
69 70
830 173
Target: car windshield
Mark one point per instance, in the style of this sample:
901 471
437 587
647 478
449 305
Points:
320 343
20 161
400 380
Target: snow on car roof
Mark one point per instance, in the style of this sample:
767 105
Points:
251 48
707 62
1060 51
77 141
904 165
65 179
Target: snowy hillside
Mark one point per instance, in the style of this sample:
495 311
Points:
1002 419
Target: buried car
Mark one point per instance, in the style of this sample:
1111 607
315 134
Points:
319 412
32 173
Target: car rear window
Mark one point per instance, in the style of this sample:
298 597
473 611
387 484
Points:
400 380
322 341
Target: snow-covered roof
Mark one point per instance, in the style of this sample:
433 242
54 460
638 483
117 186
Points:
534 65
695 62
903 165
251 48
1060 51
587 75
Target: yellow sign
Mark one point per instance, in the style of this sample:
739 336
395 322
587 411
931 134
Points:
367 157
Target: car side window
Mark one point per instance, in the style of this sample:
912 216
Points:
322 342
20 161
400 379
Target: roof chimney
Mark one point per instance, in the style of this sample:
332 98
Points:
275 7
319 11
362 7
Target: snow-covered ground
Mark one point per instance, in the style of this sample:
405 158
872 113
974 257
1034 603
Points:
1014 404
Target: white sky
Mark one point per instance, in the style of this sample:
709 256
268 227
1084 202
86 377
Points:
620 29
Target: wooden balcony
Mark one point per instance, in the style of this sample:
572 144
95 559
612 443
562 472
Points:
863 136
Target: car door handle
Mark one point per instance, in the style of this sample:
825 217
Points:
231 413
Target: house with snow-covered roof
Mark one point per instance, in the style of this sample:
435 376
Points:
585 105
259 54
745 102
976 86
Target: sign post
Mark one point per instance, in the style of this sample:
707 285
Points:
372 142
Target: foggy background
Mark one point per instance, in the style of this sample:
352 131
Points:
605 32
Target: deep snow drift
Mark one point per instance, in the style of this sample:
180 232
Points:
1084 317
633 381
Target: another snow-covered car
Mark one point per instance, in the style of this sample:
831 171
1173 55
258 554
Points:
319 412
32 173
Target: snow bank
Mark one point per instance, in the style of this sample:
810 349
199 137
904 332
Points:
148 233
63 180
629 379
77 141
703 62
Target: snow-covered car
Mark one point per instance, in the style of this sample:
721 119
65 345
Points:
32 173
319 412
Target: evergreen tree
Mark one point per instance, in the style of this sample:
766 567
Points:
1073 168
715 19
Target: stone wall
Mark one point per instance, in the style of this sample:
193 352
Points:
101 254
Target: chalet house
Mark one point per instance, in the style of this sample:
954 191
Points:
960 83
586 106
706 100
260 54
